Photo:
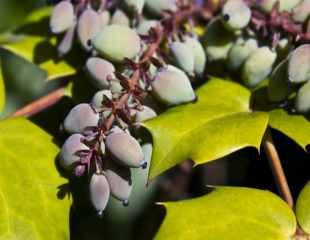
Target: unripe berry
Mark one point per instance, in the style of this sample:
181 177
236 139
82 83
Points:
100 71
81 117
125 149
119 179
136 5
99 192
200 58
183 56
299 64
218 41
88 26
145 114
117 42
302 103
100 97
145 26
157 7
239 53
302 11
69 149
120 18
62 17
236 14
258 66
172 87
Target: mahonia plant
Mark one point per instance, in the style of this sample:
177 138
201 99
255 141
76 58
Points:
147 51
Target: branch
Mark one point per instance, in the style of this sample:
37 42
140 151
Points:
40 104
277 170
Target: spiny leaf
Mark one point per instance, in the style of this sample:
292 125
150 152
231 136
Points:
296 127
229 213
219 123
35 45
303 209
29 182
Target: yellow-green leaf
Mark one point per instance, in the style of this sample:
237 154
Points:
34 44
229 213
29 181
303 208
2 89
219 123
297 127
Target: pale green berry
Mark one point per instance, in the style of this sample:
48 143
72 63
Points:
145 26
299 64
145 114
279 88
105 17
258 66
100 97
80 117
157 7
285 5
302 103
136 5
69 149
101 71
88 26
125 149
99 192
67 41
200 58
218 41
117 42
236 14
239 53
119 179
172 87
183 55
302 11
62 17
120 18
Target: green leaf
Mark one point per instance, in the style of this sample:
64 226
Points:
303 208
229 213
29 182
219 123
2 89
297 127
34 44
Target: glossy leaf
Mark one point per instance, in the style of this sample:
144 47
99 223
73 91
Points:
2 89
35 45
29 184
297 127
229 213
219 123
302 208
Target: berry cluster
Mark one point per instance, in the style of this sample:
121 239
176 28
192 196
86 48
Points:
141 48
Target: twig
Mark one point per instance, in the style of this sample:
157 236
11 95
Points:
277 170
40 104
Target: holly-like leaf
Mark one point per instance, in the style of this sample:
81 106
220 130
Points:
2 89
29 182
297 127
219 123
229 213
303 208
34 43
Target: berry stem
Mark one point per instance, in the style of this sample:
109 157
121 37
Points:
40 104
277 169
